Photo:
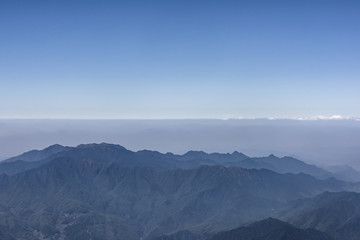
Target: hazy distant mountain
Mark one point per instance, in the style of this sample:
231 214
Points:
338 214
345 173
38 155
78 198
30 160
145 158
271 229
216 157
286 165
97 152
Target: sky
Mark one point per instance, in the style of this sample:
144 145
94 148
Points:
177 59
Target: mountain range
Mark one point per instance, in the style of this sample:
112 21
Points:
104 191
191 159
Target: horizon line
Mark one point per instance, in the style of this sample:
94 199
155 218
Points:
312 118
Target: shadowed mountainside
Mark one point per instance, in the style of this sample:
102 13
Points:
337 214
79 198
105 191
270 229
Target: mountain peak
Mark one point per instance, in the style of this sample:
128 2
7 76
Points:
37 155
54 148
56 145
238 153
193 153
271 228
102 145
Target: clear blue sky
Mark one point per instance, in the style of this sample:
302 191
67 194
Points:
179 59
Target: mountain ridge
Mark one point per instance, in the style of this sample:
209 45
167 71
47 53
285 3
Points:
336 213
191 159
270 228
150 201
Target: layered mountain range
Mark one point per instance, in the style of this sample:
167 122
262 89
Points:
104 191
146 158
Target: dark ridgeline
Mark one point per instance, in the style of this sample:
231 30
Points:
104 191
191 159
36 155
271 229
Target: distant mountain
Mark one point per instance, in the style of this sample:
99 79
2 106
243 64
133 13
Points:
30 160
87 196
285 165
216 157
345 173
98 152
338 214
270 229
276 164
145 158
38 155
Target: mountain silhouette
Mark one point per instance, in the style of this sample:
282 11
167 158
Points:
270 229
104 191
146 158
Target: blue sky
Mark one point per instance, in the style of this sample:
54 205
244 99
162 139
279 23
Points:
179 59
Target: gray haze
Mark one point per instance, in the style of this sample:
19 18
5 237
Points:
321 142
